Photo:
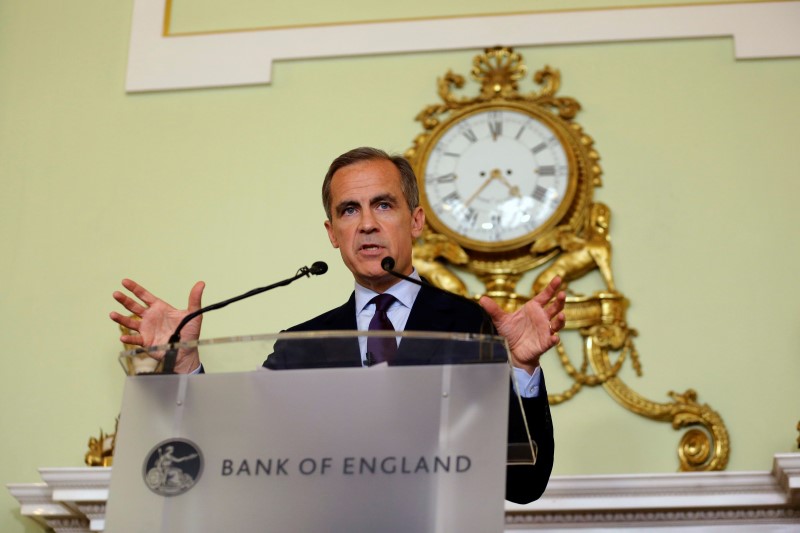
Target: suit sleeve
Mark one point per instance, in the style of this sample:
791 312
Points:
526 483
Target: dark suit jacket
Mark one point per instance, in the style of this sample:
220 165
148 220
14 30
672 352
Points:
432 311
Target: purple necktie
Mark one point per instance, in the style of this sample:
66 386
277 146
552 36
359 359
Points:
380 349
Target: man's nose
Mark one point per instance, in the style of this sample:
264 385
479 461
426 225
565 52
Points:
368 223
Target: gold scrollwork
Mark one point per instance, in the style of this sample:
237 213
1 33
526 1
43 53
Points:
498 71
600 321
705 446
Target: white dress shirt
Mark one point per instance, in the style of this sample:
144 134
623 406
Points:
405 293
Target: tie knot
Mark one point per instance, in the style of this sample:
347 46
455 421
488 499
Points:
383 302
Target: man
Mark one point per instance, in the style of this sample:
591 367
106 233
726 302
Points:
372 206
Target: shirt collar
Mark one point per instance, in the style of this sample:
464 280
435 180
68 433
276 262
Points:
405 292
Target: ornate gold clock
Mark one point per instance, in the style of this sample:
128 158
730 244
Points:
507 182
498 172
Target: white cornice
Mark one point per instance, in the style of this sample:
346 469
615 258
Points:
786 470
743 501
215 59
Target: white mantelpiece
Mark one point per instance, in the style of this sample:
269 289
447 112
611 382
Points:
742 501
69 499
73 500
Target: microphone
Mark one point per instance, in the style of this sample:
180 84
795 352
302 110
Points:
487 328
316 269
387 263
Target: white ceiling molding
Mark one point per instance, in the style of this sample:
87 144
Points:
218 59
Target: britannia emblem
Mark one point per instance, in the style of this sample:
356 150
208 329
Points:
172 467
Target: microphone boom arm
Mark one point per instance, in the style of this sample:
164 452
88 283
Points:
317 269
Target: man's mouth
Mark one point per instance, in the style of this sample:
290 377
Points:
370 248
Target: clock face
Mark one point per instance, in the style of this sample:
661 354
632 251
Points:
495 178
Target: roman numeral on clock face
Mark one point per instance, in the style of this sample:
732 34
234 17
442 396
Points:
470 135
470 216
496 128
451 198
447 178
546 170
538 148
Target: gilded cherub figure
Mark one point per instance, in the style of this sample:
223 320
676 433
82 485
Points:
579 254
430 247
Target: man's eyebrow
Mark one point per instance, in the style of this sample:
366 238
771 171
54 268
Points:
344 204
387 197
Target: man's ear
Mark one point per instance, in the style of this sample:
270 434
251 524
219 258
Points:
417 222
331 235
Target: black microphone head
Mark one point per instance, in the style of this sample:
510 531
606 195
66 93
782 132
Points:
318 268
387 263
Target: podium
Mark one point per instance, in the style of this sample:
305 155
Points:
321 445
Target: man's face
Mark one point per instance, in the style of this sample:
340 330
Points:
370 220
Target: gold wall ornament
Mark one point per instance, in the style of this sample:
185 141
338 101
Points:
433 246
507 181
101 448
579 254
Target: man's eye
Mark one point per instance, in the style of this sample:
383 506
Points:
348 210
384 205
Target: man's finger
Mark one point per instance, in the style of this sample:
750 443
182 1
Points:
548 292
140 292
556 306
196 296
491 308
558 322
127 321
135 340
129 303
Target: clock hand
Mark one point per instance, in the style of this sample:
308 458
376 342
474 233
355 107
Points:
513 189
492 176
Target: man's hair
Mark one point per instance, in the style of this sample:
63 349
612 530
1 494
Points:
408 181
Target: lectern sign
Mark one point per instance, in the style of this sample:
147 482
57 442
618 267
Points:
173 467
390 449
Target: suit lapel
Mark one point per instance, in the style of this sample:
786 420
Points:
344 352
431 312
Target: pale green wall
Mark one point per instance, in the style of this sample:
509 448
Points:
700 159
